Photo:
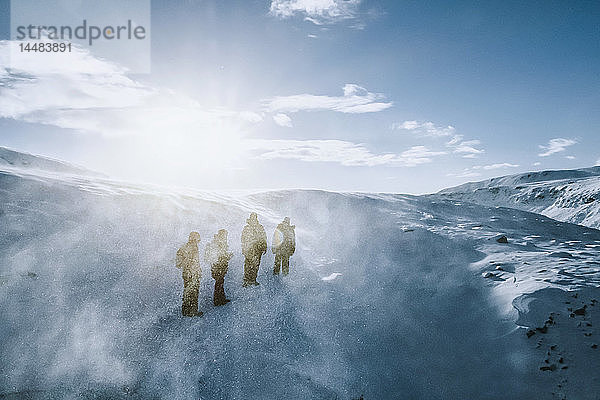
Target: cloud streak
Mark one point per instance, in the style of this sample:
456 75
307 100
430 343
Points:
474 170
496 166
466 173
554 146
466 148
355 100
341 152
425 128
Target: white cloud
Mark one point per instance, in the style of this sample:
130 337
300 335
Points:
313 20
249 116
96 96
456 139
556 146
283 120
472 172
468 148
466 173
570 157
339 151
536 164
316 11
356 99
418 155
426 128
495 166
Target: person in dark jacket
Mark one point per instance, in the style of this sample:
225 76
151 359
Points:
217 254
254 245
188 260
283 246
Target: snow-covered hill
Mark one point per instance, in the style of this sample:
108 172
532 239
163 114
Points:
14 160
567 195
389 297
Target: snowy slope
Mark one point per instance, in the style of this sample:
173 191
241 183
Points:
569 195
389 296
14 160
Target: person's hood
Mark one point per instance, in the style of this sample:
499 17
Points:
252 219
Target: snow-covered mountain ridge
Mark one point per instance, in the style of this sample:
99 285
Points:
567 195
15 160
390 296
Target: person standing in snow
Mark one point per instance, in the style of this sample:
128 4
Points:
217 255
188 260
283 246
254 245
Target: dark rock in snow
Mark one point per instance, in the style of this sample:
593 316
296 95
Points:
543 329
501 239
580 311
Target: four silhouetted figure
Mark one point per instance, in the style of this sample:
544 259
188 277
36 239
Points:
217 255
188 260
254 245
284 245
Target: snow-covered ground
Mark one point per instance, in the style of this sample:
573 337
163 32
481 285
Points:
389 297
566 195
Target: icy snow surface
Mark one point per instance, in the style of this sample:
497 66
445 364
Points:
389 297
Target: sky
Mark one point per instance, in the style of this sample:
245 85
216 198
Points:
349 95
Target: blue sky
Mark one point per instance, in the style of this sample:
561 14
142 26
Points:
342 95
